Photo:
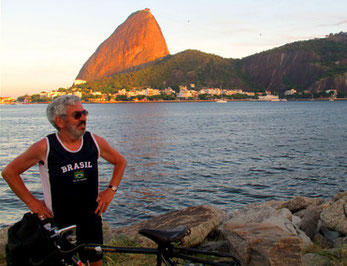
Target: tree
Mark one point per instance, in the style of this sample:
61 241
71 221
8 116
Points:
122 98
20 99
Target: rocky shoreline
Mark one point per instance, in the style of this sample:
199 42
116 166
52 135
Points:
289 232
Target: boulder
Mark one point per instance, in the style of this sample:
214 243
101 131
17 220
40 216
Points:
281 218
252 214
335 216
322 241
263 244
299 203
329 234
313 259
341 242
276 204
200 219
310 221
107 232
3 239
342 195
297 221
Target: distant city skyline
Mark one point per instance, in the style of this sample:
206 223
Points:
44 43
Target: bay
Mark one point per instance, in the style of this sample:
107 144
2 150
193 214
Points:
184 154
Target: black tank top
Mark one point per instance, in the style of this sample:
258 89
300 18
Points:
73 177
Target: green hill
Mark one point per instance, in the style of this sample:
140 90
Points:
313 65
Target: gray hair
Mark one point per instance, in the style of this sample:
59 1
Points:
58 107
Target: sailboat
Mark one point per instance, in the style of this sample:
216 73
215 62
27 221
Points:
221 100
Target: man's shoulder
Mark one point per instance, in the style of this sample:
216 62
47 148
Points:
38 149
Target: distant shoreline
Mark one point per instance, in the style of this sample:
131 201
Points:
186 101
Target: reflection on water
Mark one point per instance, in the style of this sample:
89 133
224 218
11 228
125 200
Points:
184 154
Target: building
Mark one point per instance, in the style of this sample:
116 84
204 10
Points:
289 92
249 93
27 99
211 91
151 92
168 91
232 92
43 94
54 93
79 81
268 97
186 94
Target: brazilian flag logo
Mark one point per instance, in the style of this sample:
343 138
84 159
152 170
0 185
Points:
79 174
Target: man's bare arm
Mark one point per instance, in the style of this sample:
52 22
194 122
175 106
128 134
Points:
19 165
114 157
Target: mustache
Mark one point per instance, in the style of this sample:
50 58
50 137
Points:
81 123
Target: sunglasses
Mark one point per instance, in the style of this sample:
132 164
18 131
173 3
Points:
77 114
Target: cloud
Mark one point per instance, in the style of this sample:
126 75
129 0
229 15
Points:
342 22
339 23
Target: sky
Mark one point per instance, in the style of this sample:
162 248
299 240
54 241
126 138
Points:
44 43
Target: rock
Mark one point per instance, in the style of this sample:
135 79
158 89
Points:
200 219
107 232
3 239
134 43
273 204
252 214
299 203
297 221
313 259
329 234
263 244
322 241
341 242
335 216
310 220
216 246
281 220
342 195
300 213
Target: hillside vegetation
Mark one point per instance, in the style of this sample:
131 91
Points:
314 65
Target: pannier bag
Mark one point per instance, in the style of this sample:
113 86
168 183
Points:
30 243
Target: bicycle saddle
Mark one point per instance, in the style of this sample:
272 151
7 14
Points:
165 237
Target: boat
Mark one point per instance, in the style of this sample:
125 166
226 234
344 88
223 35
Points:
221 101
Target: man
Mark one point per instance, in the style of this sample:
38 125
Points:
68 162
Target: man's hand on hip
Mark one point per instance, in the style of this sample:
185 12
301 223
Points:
39 207
104 199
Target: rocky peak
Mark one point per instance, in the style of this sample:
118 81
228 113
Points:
136 42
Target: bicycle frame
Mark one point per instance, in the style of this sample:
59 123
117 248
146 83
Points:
165 252
165 255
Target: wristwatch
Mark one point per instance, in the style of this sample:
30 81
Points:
113 188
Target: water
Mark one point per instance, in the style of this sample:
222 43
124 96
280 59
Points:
185 154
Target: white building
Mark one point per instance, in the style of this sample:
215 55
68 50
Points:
152 92
79 81
211 91
273 98
289 92
54 93
168 91
185 93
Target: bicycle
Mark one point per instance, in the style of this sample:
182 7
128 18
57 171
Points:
53 246
169 254
166 252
